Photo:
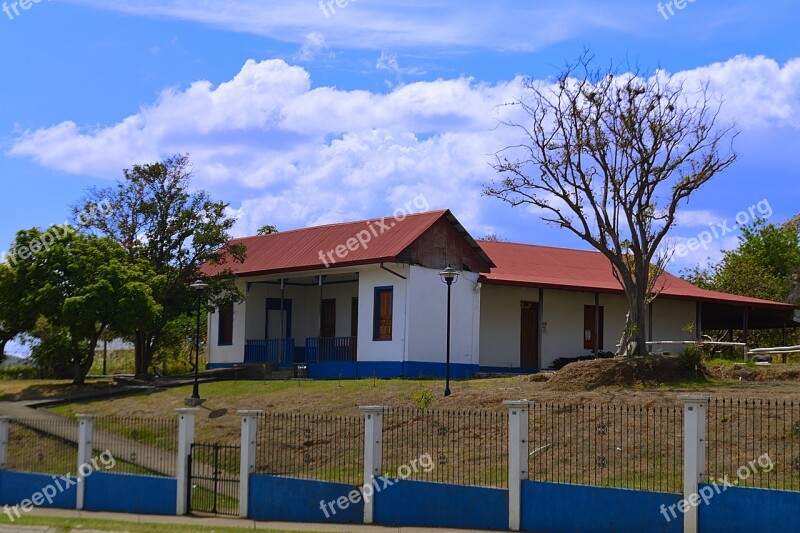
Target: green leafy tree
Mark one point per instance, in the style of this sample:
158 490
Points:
82 285
155 217
610 157
16 314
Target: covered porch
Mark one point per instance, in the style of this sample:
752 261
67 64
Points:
302 319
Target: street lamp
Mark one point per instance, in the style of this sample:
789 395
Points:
199 286
449 276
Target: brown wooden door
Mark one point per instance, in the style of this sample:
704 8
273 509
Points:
328 328
354 317
529 335
588 328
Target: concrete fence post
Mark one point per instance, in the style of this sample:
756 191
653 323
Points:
248 456
373 454
694 456
85 437
186 416
518 411
4 421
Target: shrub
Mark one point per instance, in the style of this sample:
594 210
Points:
20 372
423 399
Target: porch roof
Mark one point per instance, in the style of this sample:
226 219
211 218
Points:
563 268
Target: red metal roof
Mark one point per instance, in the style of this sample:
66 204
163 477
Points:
296 250
562 268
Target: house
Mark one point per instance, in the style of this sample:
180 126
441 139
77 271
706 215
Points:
365 298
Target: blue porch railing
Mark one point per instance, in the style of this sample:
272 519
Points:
323 349
263 351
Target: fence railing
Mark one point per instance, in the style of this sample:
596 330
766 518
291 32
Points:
754 443
264 351
324 349
47 446
140 445
462 447
607 445
328 448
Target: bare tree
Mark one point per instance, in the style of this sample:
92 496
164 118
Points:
610 156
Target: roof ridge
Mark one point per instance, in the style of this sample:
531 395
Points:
352 222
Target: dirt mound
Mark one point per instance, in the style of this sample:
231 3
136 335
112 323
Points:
622 371
754 373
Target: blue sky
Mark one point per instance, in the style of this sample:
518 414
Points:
298 117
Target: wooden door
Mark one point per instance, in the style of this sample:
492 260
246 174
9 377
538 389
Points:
328 323
588 328
354 317
529 335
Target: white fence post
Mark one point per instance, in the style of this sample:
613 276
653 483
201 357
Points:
373 453
517 457
248 456
85 436
694 456
186 416
4 420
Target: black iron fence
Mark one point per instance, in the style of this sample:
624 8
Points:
329 448
607 445
43 445
754 443
139 445
461 447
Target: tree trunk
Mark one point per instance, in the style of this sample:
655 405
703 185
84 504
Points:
81 368
143 350
3 343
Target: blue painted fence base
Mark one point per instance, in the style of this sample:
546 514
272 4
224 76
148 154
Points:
127 493
18 486
422 504
301 500
750 510
561 508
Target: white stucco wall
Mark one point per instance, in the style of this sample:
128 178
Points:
233 353
670 320
370 277
561 313
427 337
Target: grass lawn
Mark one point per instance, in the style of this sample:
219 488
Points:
15 390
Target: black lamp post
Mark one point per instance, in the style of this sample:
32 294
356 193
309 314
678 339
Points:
199 286
449 276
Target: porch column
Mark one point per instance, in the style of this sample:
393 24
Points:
698 325
539 327
783 356
650 323
281 347
319 315
746 331
596 335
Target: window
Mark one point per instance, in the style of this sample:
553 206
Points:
382 323
225 333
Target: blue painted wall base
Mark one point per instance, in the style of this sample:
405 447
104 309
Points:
749 510
561 508
422 504
302 500
127 493
18 486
